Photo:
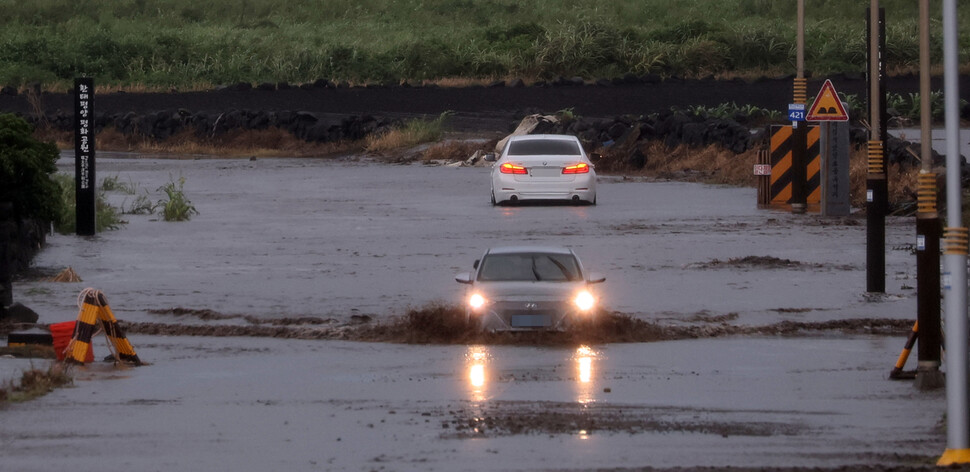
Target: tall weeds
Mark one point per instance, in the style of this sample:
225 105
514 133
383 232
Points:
176 207
185 44
412 132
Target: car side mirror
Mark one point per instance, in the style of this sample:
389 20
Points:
475 265
596 278
490 157
464 278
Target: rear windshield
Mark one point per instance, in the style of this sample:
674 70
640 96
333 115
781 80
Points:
544 147
532 267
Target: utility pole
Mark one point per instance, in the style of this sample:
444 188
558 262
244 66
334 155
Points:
955 257
799 133
876 186
928 231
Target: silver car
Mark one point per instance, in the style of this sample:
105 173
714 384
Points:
529 288
543 167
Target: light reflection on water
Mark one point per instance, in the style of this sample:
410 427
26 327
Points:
476 358
479 375
585 386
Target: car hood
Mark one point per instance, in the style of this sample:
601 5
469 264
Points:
529 290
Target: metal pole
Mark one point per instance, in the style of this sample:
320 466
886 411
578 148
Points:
800 133
928 375
955 254
876 187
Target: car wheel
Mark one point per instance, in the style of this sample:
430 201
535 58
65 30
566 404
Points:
493 197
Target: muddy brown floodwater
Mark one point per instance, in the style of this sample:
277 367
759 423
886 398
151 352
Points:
287 326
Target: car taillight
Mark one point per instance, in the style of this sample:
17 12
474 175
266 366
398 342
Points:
513 169
581 168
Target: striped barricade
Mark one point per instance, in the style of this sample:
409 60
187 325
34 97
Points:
780 192
95 313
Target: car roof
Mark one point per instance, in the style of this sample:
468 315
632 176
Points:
521 249
557 137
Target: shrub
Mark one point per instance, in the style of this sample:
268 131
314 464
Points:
26 166
106 216
177 207
36 382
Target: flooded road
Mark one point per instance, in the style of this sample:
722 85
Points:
229 404
332 240
318 238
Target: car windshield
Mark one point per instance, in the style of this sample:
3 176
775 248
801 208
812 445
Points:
544 147
532 267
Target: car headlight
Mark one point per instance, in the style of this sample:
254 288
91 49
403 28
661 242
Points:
476 301
584 300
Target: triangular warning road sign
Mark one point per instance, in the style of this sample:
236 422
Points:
827 106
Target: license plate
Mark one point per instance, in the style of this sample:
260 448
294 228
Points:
530 321
545 171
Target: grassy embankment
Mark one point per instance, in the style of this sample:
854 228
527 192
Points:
155 44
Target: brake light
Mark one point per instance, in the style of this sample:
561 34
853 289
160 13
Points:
513 169
581 168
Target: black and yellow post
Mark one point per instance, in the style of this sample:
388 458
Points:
877 189
876 220
116 334
928 234
928 231
799 196
897 373
84 329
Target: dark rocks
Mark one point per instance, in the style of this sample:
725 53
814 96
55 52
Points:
167 123
18 313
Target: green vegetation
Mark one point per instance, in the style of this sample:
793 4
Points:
26 166
184 43
176 207
106 216
141 205
36 383
410 133
112 183
905 106
731 110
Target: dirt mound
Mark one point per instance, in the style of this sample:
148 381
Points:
439 323
209 315
761 262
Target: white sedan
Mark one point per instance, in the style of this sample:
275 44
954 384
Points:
529 288
543 167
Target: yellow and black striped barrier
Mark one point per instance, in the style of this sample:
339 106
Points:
780 187
94 314
897 373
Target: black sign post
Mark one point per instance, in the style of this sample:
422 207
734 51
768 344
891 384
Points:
84 179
